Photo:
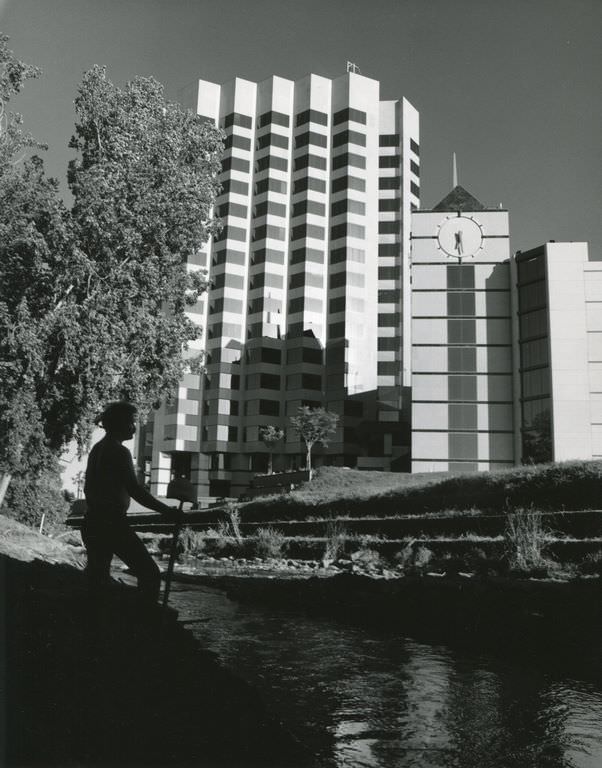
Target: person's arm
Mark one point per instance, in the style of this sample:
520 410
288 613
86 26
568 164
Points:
140 494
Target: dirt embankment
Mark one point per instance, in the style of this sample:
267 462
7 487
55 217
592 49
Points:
113 684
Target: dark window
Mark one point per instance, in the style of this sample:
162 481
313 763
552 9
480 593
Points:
271 161
232 434
232 233
388 249
462 415
347 229
269 381
266 279
348 159
267 230
389 296
533 324
389 204
269 408
267 207
235 164
310 137
388 343
312 356
272 140
312 116
277 118
231 185
415 168
388 319
307 254
387 368
347 205
462 359
235 118
348 182
460 276
338 280
349 114
414 147
336 330
389 227
240 142
267 255
307 230
295 305
414 189
311 381
462 387
235 381
463 446
388 140
353 408
310 161
229 256
337 305
389 273
308 182
308 206
270 185
461 304
349 137
389 161
389 182
232 209
461 331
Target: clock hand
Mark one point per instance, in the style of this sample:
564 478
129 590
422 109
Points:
458 242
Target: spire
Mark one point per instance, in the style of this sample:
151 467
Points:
454 172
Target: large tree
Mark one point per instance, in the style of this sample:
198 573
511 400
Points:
93 301
314 425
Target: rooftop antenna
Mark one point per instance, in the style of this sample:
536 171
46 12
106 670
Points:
454 172
351 67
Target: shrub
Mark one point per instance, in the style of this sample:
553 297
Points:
191 542
367 557
336 536
269 543
526 540
591 564
414 560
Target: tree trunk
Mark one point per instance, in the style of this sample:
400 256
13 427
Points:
309 469
270 469
5 479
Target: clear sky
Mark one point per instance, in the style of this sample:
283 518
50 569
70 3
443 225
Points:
514 87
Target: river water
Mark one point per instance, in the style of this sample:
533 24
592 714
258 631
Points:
365 697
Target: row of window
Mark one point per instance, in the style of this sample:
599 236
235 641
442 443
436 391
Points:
310 183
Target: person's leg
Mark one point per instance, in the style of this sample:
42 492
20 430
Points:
134 554
99 555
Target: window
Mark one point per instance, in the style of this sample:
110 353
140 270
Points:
389 182
267 255
338 280
228 280
389 273
349 137
269 381
232 185
270 185
346 205
388 249
312 356
232 209
348 182
271 161
310 137
415 168
460 276
235 381
308 206
461 331
235 118
229 256
388 319
277 118
414 189
348 159
389 296
235 164
533 324
307 254
269 408
347 229
307 230
462 387
234 407
336 330
414 147
389 161
462 416
387 368
462 359
269 208
295 305
270 355
311 381
388 343
354 408
266 279
312 116
310 161
268 230
337 305
272 140
463 446
388 140
349 114
232 233
389 227
461 304
240 142
390 204
338 255
308 182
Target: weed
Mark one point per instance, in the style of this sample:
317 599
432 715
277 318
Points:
591 564
191 542
234 520
526 540
269 543
368 558
336 536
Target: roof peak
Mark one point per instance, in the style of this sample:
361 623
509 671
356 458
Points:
459 200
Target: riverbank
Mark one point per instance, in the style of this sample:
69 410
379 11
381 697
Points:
113 684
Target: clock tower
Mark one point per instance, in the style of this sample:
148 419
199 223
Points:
463 399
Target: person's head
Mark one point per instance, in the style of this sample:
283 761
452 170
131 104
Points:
119 420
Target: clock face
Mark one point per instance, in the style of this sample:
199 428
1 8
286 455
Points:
460 236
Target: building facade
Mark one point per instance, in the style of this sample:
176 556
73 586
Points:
308 277
463 356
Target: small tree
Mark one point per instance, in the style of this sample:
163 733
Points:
270 436
314 425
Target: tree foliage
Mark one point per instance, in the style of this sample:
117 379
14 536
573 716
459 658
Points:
270 435
94 300
314 425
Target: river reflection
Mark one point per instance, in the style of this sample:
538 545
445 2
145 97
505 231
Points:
358 697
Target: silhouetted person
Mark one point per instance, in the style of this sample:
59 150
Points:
110 484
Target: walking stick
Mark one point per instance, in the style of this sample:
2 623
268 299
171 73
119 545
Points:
182 490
